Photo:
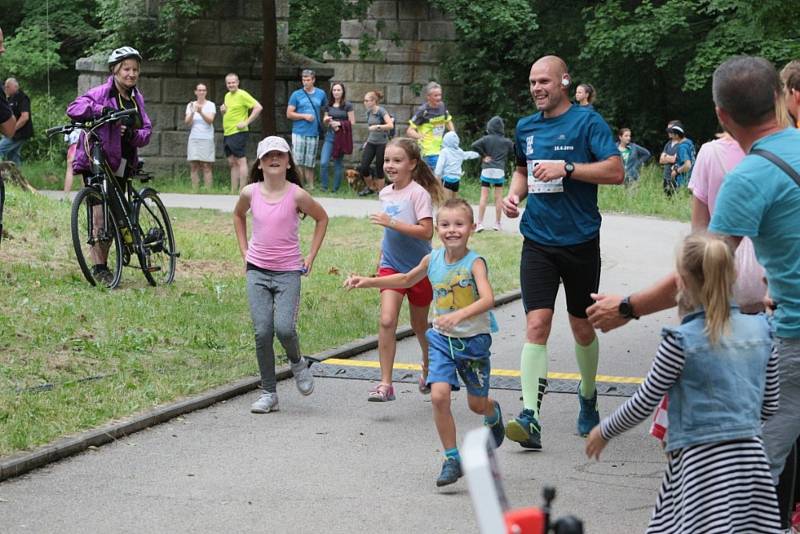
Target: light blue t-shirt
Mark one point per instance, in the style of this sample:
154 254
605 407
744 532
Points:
579 135
454 288
303 105
758 200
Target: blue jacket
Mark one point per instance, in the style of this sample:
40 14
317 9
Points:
638 157
719 394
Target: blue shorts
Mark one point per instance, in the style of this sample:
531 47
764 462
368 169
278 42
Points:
431 160
467 357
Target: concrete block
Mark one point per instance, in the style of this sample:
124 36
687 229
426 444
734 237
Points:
204 31
354 29
153 148
356 92
413 10
163 116
394 94
435 14
177 90
174 143
283 32
161 167
364 72
233 31
393 73
404 30
343 72
282 9
150 88
401 115
436 31
381 9
281 98
423 73
411 95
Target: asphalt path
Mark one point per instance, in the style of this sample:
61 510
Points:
333 462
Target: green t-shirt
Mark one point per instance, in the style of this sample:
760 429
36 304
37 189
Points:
238 106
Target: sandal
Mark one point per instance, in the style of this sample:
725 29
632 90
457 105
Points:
424 388
381 393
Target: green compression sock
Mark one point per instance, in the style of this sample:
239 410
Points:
533 365
587 358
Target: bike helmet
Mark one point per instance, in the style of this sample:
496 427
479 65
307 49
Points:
122 53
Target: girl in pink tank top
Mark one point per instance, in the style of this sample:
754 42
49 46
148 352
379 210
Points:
274 263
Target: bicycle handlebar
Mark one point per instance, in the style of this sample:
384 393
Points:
91 124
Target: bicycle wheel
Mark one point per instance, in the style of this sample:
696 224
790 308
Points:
97 240
158 242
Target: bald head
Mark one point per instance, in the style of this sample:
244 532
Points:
549 81
11 86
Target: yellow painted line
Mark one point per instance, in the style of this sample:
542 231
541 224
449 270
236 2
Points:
495 372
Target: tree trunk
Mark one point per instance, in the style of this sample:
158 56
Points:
269 63
11 174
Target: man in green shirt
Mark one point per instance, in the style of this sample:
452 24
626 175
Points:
238 111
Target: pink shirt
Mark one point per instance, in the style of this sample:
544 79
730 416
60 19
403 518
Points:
275 243
715 159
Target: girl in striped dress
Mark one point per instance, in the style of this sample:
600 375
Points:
722 379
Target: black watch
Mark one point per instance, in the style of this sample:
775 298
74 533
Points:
626 310
569 168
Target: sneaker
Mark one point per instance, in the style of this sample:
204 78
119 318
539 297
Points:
102 275
365 192
479 228
589 417
498 428
525 430
451 472
303 378
496 227
267 402
381 393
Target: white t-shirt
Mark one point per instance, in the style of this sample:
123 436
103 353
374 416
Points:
200 128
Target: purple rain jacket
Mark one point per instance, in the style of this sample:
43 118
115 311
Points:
91 105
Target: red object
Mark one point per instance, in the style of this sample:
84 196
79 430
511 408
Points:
525 521
343 140
661 419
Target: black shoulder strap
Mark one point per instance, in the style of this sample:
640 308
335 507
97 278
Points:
314 107
785 167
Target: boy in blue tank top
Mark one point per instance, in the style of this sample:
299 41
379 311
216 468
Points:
460 338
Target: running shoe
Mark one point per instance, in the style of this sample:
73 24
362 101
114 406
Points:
451 472
589 417
525 430
480 228
267 402
303 378
498 428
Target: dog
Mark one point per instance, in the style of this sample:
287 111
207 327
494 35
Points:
355 180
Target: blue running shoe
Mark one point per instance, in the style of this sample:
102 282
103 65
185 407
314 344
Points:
525 430
589 417
451 472
498 428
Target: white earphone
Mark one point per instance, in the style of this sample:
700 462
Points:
565 80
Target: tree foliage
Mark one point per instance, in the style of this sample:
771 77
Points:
314 30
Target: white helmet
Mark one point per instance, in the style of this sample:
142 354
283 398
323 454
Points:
120 54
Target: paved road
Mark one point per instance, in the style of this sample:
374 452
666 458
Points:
335 463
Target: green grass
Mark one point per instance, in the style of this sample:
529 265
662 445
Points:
141 346
646 197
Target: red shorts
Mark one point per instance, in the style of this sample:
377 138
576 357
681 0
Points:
419 295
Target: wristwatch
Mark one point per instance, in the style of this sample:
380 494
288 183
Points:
569 168
626 309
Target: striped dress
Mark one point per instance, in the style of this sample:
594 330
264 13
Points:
712 487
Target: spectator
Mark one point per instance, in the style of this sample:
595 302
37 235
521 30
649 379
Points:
585 95
448 167
677 158
790 76
379 123
305 112
339 118
429 122
7 119
200 151
238 112
21 107
72 146
495 149
633 155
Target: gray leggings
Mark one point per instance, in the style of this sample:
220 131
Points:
274 302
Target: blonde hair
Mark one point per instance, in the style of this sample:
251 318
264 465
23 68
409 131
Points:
422 173
706 267
457 203
376 95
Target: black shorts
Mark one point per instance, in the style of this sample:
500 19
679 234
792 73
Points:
452 186
484 183
577 266
235 145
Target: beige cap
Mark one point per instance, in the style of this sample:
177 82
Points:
273 142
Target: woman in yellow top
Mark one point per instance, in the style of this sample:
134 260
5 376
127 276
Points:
429 124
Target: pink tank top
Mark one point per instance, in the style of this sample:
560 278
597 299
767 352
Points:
275 243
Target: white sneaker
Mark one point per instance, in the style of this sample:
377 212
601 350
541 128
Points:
496 227
303 378
479 228
267 402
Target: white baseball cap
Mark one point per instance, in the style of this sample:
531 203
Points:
268 144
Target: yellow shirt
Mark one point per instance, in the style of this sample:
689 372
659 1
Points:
238 106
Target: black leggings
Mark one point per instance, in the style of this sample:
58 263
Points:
372 151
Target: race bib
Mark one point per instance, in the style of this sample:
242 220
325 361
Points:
438 131
537 186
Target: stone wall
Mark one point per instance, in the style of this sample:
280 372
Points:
412 39
223 40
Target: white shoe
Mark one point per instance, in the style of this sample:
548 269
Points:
267 402
303 378
479 228
496 227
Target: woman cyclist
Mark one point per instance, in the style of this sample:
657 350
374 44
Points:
122 139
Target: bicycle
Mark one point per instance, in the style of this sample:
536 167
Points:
110 219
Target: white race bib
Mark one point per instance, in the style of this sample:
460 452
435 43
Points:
438 131
537 186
